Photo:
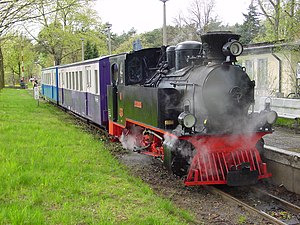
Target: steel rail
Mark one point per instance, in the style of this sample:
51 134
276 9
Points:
244 205
287 205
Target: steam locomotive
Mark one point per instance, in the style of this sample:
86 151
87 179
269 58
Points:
188 105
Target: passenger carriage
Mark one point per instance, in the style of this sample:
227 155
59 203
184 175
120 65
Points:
82 88
49 84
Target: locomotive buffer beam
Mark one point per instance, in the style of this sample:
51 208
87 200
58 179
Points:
229 159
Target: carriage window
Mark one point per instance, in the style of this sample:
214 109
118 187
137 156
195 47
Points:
80 80
88 77
67 79
76 73
70 80
96 82
74 78
70 84
63 79
59 80
115 72
73 81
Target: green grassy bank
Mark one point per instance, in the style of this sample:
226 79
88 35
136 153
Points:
52 172
287 123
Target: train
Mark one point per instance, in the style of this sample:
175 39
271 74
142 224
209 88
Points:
190 106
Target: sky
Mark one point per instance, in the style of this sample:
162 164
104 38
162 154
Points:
146 15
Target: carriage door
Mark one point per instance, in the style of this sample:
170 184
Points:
52 84
88 75
115 74
62 79
104 82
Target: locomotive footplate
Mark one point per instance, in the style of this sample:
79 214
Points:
242 175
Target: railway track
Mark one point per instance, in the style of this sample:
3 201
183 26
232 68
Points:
270 207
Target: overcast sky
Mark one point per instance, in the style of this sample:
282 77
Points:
146 15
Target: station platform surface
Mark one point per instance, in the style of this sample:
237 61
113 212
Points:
283 138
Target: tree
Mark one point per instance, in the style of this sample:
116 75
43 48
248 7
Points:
19 58
52 40
290 22
201 14
62 31
282 20
15 12
12 13
118 40
90 51
250 28
271 9
153 38
200 19
95 52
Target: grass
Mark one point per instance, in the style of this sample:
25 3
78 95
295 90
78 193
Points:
52 172
283 122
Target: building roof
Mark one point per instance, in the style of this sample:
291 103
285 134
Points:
268 47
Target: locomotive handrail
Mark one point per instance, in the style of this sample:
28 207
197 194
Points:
183 84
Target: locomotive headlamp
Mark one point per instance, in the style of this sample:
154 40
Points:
271 117
187 119
232 48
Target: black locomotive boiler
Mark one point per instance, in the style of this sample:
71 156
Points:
189 105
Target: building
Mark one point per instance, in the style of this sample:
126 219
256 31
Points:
273 66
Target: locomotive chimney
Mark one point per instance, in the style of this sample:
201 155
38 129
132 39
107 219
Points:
221 46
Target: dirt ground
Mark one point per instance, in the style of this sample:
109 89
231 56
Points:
206 207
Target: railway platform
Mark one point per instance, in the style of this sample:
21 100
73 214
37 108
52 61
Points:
282 155
283 138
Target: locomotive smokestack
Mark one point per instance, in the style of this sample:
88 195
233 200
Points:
221 46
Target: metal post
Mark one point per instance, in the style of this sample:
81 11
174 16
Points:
164 23
109 42
108 28
22 62
82 49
